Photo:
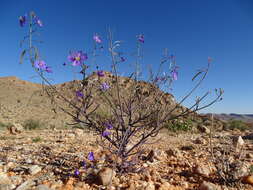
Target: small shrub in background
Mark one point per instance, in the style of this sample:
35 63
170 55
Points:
3 125
237 124
32 124
181 125
36 139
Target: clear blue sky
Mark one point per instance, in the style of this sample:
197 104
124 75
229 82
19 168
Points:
191 29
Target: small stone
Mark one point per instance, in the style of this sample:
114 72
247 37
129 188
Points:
28 161
105 176
208 186
4 179
203 129
71 135
7 186
174 152
202 170
42 187
150 186
34 169
26 185
165 186
199 140
16 179
248 179
249 155
15 128
78 132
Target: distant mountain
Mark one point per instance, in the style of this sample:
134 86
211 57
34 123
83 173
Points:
233 116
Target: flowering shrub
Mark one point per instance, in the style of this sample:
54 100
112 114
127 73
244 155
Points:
137 109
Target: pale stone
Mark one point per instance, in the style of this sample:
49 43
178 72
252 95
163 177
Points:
105 176
208 186
34 169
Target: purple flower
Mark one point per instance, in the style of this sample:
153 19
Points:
91 156
76 172
40 64
174 73
141 38
100 73
77 58
84 164
38 21
104 86
106 133
48 69
79 94
97 38
108 126
122 59
22 20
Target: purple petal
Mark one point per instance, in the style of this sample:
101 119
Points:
141 38
100 73
91 156
106 133
79 94
76 172
97 38
108 126
48 69
22 20
104 86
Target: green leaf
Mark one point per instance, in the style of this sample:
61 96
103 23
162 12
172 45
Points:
196 75
22 56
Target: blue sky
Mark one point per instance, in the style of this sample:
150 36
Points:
191 29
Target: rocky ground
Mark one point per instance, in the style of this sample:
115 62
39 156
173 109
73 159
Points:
54 159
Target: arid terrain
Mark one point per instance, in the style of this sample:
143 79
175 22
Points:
53 156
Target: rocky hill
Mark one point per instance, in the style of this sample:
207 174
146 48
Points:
22 100
233 116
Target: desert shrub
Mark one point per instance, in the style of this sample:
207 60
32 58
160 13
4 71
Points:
237 124
32 124
251 169
137 112
3 125
177 126
36 139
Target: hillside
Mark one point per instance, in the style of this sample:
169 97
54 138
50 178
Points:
22 100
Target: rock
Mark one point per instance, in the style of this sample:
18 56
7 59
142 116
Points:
29 161
202 170
238 143
150 186
154 154
203 129
174 152
199 140
7 186
249 155
240 170
15 128
16 180
26 185
42 187
208 186
34 169
165 186
4 179
105 176
248 179
78 132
